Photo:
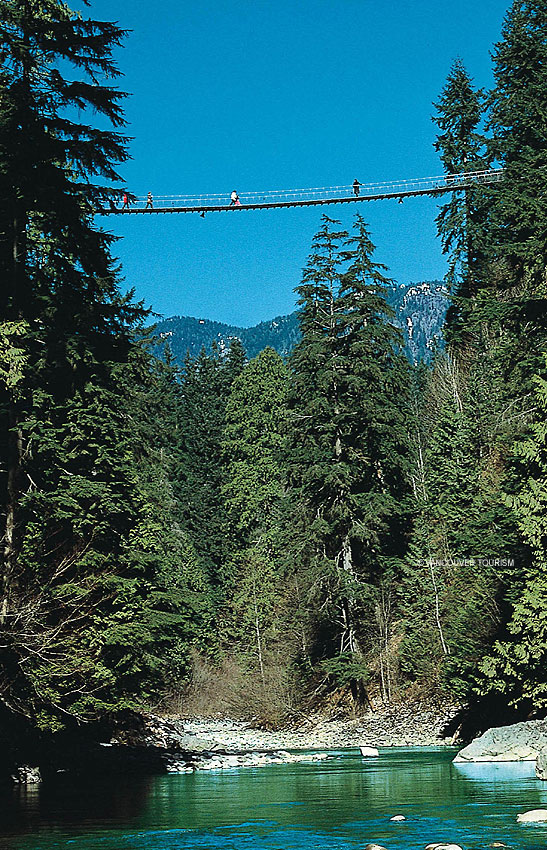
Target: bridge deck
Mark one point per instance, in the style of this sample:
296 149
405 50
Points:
313 197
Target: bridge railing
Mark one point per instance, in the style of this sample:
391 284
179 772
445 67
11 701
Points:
444 182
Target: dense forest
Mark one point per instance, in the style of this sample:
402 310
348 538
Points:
335 528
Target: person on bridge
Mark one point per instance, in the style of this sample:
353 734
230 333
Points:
125 199
356 185
235 202
149 202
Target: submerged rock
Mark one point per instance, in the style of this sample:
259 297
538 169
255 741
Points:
374 847
398 818
533 816
518 742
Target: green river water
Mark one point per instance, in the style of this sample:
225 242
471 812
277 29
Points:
339 804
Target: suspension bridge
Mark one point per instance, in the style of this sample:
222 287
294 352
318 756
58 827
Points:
275 199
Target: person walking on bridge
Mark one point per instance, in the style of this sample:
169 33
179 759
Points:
235 202
149 202
356 185
125 200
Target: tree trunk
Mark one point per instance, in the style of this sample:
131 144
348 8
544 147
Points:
15 451
258 636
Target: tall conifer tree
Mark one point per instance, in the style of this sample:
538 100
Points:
79 612
348 450
460 222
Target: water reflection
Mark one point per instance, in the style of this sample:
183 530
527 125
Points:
342 803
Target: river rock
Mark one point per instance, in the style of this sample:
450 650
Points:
25 774
369 752
442 846
533 816
398 818
518 742
374 847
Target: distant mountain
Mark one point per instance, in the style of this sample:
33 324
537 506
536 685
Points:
186 334
420 310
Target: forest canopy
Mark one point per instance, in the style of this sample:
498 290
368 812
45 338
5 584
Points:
335 527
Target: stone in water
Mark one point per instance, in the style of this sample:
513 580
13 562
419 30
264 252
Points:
443 846
369 752
533 816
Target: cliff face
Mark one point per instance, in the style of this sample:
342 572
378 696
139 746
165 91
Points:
420 310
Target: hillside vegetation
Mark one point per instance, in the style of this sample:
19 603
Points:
342 525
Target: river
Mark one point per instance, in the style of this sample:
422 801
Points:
343 803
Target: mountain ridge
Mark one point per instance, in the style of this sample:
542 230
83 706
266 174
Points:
420 311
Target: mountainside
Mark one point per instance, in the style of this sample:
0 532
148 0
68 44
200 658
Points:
186 334
420 310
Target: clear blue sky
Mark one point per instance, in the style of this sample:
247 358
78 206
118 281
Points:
274 94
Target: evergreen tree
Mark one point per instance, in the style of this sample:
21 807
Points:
455 583
461 147
254 450
86 610
348 451
517 110
517 666
205 389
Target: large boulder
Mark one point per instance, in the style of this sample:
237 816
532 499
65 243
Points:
533 816
518 742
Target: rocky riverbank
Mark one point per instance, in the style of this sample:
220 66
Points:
151 743
525 741
400 726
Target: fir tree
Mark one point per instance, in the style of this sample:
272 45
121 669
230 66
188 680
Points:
517 110
254 450
205 389
461 147
348 450
462 223
85 606
517 666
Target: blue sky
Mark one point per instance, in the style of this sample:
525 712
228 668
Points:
274 94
